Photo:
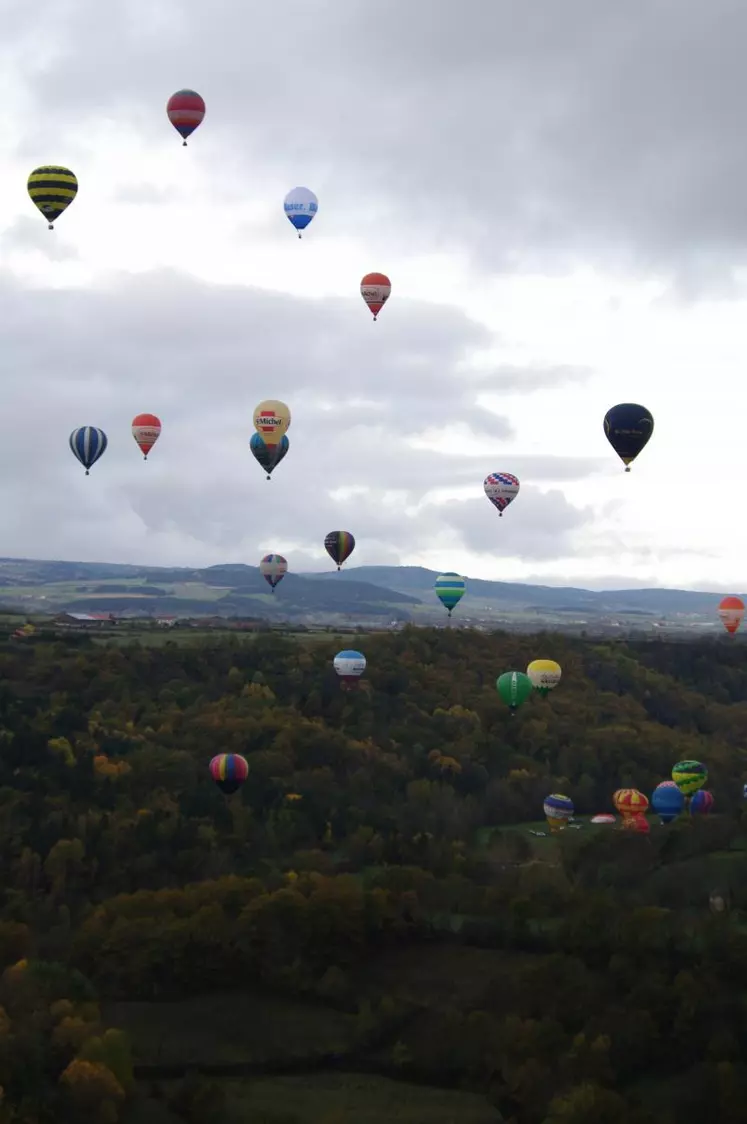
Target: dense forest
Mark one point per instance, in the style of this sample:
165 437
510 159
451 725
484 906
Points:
368 929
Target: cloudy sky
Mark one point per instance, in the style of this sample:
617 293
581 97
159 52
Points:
557 191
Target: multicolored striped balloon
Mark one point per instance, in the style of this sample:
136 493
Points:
450 589
185 110
558 810
229 771
339 546
88 444
52 189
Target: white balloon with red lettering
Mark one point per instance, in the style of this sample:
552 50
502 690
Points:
501 488
376 288
146 429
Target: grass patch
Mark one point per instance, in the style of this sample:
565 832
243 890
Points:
328 1098
229 1029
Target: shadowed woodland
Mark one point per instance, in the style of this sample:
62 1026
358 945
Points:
367 930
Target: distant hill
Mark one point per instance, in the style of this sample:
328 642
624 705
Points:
359 594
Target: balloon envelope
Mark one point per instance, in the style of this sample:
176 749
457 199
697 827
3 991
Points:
185 110
702 801
501 488
268 456
376 289
271 420
273 568
731 611
229 771
628 428
449 589
545 675
605 818
52 189
667 801
300 206
514 687
88 444
630 802
689 776
146 429
339 546
349 665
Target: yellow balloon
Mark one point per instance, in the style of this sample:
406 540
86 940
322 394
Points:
544 674
271 420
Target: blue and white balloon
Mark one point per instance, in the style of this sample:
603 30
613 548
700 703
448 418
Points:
88 444
300 206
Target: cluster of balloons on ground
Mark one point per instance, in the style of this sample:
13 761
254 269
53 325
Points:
683 793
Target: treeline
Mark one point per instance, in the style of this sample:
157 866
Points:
362 830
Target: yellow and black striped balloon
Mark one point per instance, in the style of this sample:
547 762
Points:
52 189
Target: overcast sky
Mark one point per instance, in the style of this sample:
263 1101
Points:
556 190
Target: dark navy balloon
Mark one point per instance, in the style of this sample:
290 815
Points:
628 428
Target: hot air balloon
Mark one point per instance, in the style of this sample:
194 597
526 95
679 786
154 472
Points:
349 665
628 428
271 420
185 110
545 675
667 801
450 589
375 290
268 456
229 771
146 429
638 822
501 488
603 818
558 809
514 687
630 803
701 802
731 611
88 444
300 206
339 546
273 568
689 776
52 189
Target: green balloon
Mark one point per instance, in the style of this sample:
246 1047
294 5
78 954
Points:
514 687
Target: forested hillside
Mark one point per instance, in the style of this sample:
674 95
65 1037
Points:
367 930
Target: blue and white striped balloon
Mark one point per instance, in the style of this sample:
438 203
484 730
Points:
88 444
300 206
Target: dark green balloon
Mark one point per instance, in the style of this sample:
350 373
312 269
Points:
514 687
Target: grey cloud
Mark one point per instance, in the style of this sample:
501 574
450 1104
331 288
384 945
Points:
538 133
544 527
201 357
530 377
26 233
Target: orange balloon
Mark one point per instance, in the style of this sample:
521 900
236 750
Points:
375 290
731 611
146 429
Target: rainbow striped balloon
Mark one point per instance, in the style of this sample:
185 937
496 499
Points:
229 771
